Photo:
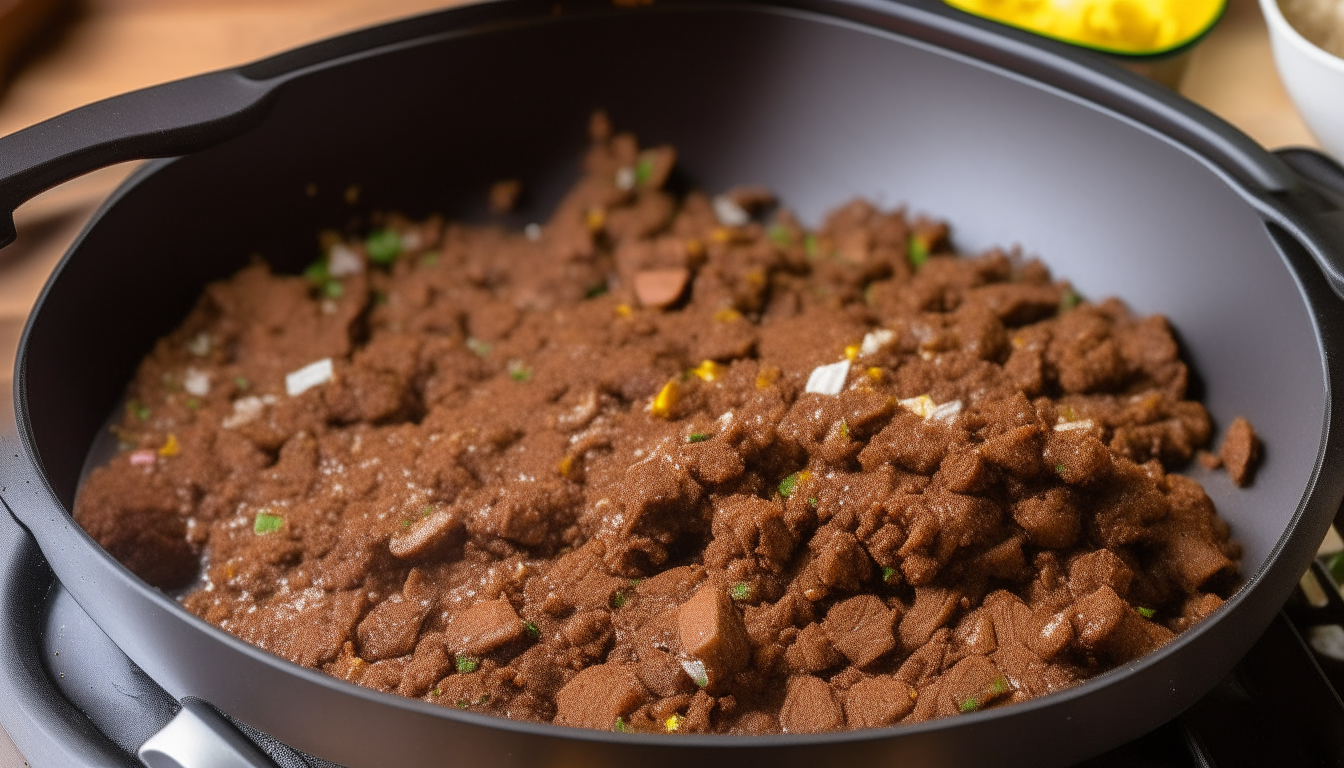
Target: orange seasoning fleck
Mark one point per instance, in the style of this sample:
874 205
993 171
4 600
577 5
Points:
170 446
666 400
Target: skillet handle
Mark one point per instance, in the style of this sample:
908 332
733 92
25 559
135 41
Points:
1318 225
160 121
198 737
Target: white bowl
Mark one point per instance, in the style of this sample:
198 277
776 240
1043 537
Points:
1314 79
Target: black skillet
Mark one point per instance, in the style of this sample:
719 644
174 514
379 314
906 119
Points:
1115 183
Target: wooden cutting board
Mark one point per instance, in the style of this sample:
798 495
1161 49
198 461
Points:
22 22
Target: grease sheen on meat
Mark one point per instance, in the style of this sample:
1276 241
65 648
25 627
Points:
575 474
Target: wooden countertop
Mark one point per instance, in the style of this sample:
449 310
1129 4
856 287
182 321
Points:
113 46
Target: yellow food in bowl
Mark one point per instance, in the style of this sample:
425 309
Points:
1127 27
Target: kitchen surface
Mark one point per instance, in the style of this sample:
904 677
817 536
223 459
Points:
93 49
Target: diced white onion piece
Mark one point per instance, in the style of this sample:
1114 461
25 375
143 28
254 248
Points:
309 376
342 260
828 379
196 382
199 344
411 240
922 406
729 213
1068 426
245 409
625 178
532 232
947 411
875 340
696 671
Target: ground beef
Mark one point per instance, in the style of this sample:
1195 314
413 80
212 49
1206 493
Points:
657 465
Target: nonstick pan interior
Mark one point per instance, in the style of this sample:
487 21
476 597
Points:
818 109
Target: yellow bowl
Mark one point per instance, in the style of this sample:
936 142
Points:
1138 28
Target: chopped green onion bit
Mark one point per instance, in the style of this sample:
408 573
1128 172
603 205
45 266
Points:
1070 299
138 410
619 599
383 246
887 574
621 726
779 235
697 437
595 290
241 382
267 523
810 246
1060 469
919 252
532 630
193 403
1146 613
740 591
643 169
478 346
467 664
789 484
518 371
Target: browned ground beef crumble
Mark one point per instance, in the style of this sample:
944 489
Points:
574 475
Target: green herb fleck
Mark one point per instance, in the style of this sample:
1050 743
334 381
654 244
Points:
621 726
467 664
844 429
812 501
740 591
427 511
697 437
619 599
138 409
1068 413
1069 299
919 252
789 484
1146 613
999 686
405 523
810 246
193 403
780 235
518 371
169 382
1060 469
241 382
430 259
595 290
334 289
316 273
438 692
462 703
968 704
478 346
267 523
888 573
383 246
532 630
869 294
644 169
379 298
